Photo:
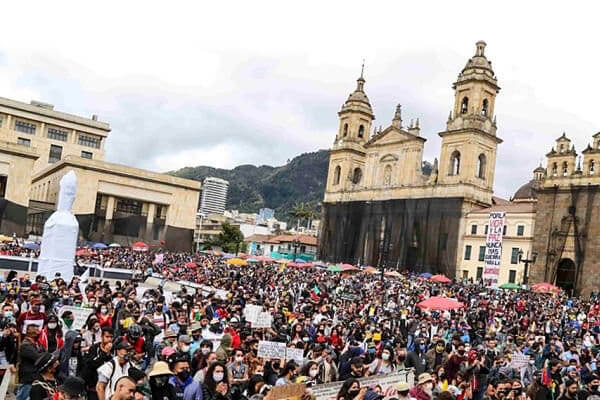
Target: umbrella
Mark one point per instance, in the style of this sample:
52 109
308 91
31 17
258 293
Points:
348 267
4 238
370 270
31 246
440 303
544 287
114 245
99 246
320 264
191 265
299 265
393 274
300 261
139 246
282 261
82 252
228 256
206 251
440 279
252 260
334 268
236 261
510 286
265 259
425 275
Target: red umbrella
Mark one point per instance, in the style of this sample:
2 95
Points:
440 303
393 274
139 246
265 259
83 252
544 287
348 267
440 279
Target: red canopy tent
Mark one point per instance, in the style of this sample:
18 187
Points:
440 303
544 287
139 246
440 279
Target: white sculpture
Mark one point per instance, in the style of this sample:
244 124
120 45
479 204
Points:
59 240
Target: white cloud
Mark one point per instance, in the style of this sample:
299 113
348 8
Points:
227 83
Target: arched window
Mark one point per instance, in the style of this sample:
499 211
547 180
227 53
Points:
481 164
592 165
455 163
464 106
336 175
356 176
562 148
345 130
565 168
387 175
484 108
554 169
361 131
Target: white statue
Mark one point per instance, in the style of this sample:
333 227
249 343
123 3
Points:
59 240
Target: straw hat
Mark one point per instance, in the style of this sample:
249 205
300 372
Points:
160 368
424 378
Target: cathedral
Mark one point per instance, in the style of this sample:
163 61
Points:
384 205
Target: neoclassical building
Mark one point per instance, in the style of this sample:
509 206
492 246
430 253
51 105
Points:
383 206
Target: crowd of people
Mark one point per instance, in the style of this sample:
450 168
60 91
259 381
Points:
145 342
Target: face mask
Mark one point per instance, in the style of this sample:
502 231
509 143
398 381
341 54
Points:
218 376
8 314
196 337
239 359
104 310
185 349
183 375
594 388
52 325
353 393
68 322
461 352
205 350
385 356
313 372
126 357
161 381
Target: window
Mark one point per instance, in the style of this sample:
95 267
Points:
479 273
356 176
271 247
387 175
25 127
336 175
473 229
345 130
481 253
1 119
89 141
520 230
514 255
504 230
55 153
562 148
485 231
554 169
464 106
465 274
129 206
468 252
3 181
512 276
484 108
565 168
455 163
361 131
58 134
86 154
24 142
592 165
481 164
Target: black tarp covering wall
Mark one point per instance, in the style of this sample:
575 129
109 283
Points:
419 234
13 218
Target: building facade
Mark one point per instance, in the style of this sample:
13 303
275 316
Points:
379 206
214 196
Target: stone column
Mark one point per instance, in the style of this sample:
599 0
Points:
150 222
108 223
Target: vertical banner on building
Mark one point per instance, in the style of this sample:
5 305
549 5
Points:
493 249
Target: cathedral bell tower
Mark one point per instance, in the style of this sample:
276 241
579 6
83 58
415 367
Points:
469 143
347 158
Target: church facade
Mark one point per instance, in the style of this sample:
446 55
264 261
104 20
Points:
382 207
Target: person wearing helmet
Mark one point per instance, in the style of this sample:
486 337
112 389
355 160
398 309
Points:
135 337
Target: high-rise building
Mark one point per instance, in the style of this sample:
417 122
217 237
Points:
214 196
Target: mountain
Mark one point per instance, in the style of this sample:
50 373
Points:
250 187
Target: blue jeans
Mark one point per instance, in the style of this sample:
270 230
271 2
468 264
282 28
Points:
23 392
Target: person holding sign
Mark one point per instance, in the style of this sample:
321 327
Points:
351 390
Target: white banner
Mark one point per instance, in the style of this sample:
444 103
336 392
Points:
329 391
292 353
493 249
251 312
80 315
264 320
272 350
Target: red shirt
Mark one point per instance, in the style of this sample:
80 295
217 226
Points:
138 345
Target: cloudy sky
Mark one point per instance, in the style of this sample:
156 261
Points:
229 83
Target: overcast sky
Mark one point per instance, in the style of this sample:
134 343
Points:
229 83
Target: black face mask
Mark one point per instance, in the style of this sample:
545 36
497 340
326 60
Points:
594 388
353 393
161 380
183 375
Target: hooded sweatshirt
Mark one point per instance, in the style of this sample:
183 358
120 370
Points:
70 363
224 348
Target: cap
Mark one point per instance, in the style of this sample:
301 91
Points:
185 339
124 345
160 367
44 361
169 333
234 319
73 386
195 327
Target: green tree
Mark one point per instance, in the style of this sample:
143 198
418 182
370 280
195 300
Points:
230 240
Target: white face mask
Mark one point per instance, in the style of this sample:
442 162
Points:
385 356
52 325
185 349
205 350
313 372
218 376
239 358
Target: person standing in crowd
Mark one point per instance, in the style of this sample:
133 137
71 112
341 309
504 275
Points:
96 356
124 389
111 371
45 385
424 388
29 352
159 378
184 386
351 390
216 383
71 356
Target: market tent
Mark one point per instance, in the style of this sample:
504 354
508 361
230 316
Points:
265 259
393 274
83 252
334 268
139 246
510 286
440 279
425 275
544 287
236 261
370 270
348 267
114 245
440 303
99 246
31 246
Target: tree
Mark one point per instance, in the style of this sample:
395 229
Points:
230 240
303 211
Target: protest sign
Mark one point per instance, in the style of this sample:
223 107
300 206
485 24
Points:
493 249
80 315
519 361
264 320
251 312
271 350
292 353
329 391
295 390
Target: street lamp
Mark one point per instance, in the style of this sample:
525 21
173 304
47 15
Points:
295 244
527 261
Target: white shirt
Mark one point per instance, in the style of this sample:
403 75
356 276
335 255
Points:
105 371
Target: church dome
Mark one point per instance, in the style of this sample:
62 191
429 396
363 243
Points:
527 191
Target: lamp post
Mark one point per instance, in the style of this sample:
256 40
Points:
295 244
527 260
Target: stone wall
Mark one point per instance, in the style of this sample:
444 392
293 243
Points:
566 228
419 234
